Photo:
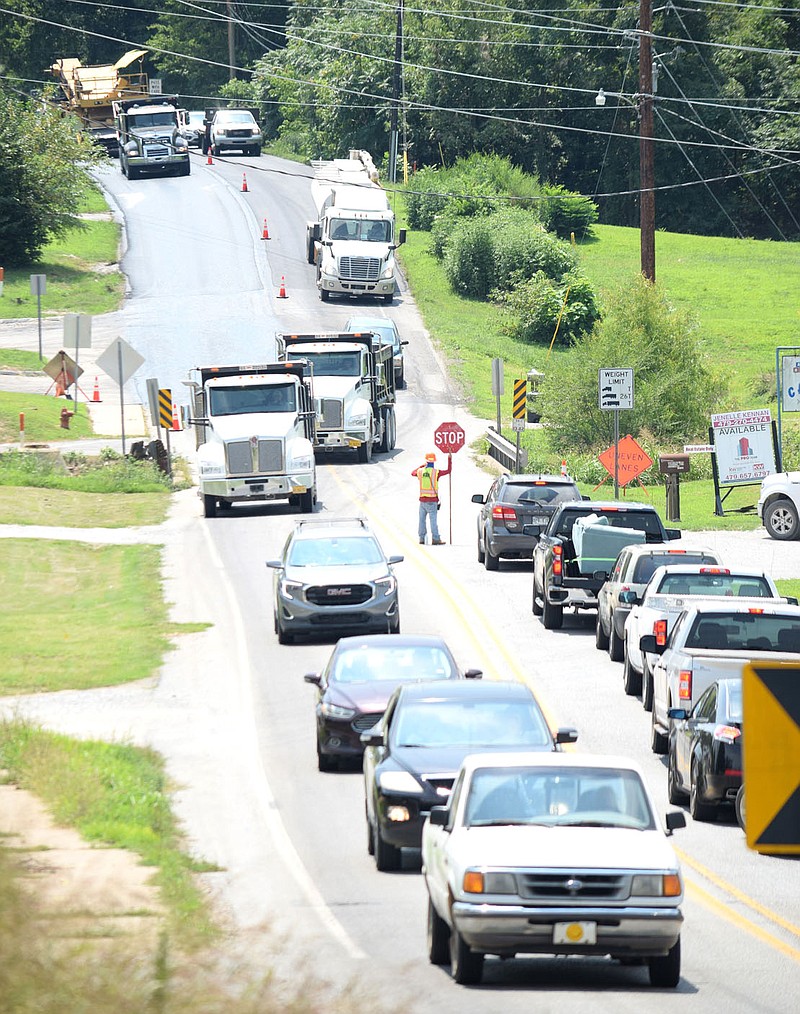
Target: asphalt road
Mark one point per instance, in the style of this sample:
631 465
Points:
231 712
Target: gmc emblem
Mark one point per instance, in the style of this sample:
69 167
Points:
338 592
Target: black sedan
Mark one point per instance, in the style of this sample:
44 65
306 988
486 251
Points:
360 677
512 502
705 750
412 757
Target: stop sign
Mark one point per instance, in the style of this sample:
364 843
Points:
449 437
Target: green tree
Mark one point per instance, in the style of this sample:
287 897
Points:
43 175
675 386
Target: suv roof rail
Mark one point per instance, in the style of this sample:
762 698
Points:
362 521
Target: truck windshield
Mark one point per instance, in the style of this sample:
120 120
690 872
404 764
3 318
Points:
360 229
243 400
715 584
751 631
165 119
642 521
334 364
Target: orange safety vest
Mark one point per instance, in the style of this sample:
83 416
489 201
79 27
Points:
428 483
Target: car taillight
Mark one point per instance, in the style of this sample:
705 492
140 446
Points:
500 513
714 570
757 612
727 733
558 562
660 630
685 684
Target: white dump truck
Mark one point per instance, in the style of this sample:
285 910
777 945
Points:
254 432
354 389
352 240
151 138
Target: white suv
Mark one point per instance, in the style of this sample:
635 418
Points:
779 505
235 129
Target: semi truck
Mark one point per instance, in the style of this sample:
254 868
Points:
151 137
353 238
90 92
354 389
254 434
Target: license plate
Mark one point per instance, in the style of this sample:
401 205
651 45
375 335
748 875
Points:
299 489
539 520
575 933
257 488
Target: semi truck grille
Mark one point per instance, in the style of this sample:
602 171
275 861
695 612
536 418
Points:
268 457
339 594
568 886
360 269
156 150
330 413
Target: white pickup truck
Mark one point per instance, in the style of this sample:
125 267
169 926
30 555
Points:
712 641
670 590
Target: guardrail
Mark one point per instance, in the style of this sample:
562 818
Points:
505 452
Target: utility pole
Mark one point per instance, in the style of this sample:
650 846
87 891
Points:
647 197
396 78
231 44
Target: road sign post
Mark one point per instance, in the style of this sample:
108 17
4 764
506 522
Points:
78 331
38 289
518 408
449 437
120 361
615 392
497 388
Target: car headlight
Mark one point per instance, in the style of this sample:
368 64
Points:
221 131
399 781
131 148
483 882
291 589
386 585
209 469
657 885
302 464
335 711
358 420
254 131
181 145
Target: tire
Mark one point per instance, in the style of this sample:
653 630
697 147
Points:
184 170
481 551
615 648
552 616
388 298
215 150
393 441
781 520
647 686
256 150
675 793
386 436
364 452
324 762
466 967
401 380
665 970
659 743
536 608
438 937
490 561
310 250
370 834
324 295
132 174
739 807
600 636
306 501
283 636
631 680
209 506
387 857
394 628
697 808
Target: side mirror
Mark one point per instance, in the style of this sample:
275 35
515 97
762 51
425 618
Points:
313 677
585 497
600 575
478 498
679 714
532 530
674 533
473 674
372 737
649 644
791 600
396 559
438 816
674 820
628 598
274 564
401 237
405 341
566 735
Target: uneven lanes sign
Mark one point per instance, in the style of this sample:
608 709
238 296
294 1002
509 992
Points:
771 722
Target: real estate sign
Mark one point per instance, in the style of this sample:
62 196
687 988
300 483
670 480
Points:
744 446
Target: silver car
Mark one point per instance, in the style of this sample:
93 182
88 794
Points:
235 130
333 577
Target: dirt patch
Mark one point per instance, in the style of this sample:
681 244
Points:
91 890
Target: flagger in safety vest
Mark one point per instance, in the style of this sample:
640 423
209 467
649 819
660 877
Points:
428 476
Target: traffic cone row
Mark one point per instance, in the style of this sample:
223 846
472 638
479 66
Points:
282 293
564 466
209 160
265 233
244 183
96 393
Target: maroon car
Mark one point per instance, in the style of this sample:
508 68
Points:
355 686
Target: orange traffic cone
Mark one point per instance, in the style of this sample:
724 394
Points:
175 424
96 393
282 293
564 466
244 183
265 233
209 160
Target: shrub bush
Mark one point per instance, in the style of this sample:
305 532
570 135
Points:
533 309
564 212
469 260
522 249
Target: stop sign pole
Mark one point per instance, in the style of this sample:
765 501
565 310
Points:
449 437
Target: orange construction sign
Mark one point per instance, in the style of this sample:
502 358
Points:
632 460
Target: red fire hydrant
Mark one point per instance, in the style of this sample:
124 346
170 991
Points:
66 415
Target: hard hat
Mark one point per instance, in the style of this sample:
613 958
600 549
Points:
430 457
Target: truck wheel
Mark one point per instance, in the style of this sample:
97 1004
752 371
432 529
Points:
781 520
256 150
394 429
387 857
552 616
386 434
132 174
438 937
215 149
466 967
658 741
631 680
665 970
310 250
364 452
209 506
614 643
307 502
324 295
600 636
647 686
536 608
388 298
